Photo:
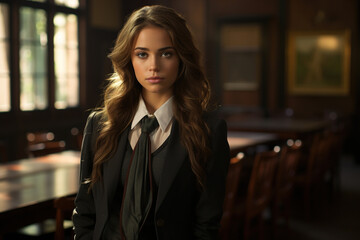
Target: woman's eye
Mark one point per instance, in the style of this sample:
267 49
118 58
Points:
166 54
141 54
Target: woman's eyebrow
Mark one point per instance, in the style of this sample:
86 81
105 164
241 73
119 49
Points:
165 48
141 48
146 49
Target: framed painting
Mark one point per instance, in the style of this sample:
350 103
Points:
319 63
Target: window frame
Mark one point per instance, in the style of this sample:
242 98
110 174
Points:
14 24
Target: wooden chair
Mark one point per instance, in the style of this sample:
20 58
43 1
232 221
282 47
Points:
248 210
43 143
328 156
77 137
335 147
64 207
284 180
312 177
231 192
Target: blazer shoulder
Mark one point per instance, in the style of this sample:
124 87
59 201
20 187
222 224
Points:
213 120
92 130
94 122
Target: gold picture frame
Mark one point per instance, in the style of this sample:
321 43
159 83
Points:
318 63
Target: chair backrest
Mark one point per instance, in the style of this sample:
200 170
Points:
77 137
232 183
323 152
309 158
39 137
261 184
42 143
64 207
231 191
336 149
288 162
327 150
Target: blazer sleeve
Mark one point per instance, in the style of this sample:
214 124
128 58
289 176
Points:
210 205
84 212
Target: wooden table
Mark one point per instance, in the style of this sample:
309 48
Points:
283 127
28 188
240 141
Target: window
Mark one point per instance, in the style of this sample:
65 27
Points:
241 55
48 59
33 54
68 3
4 59
66 56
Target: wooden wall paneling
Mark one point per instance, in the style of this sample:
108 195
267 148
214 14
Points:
322 15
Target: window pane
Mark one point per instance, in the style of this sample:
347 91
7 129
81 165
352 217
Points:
68 3
33 54
66 60
4 59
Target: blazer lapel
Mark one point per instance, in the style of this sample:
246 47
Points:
112 168
175 156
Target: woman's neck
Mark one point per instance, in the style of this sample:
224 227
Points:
154 101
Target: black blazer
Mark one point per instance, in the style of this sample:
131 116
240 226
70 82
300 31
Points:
182 210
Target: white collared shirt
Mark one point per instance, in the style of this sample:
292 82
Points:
164 116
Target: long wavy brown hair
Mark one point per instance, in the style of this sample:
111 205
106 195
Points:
191 90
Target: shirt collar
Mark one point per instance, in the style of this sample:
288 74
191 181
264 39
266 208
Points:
163 115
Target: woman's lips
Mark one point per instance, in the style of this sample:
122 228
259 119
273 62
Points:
154 79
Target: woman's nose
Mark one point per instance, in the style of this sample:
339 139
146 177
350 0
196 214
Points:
154 64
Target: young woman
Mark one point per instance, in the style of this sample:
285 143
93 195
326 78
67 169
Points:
182 181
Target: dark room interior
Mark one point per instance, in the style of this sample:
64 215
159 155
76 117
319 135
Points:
282 72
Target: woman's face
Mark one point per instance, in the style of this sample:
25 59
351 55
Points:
155 62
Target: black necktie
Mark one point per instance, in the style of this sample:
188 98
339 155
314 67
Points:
137 199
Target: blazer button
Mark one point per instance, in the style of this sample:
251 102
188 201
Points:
160 222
